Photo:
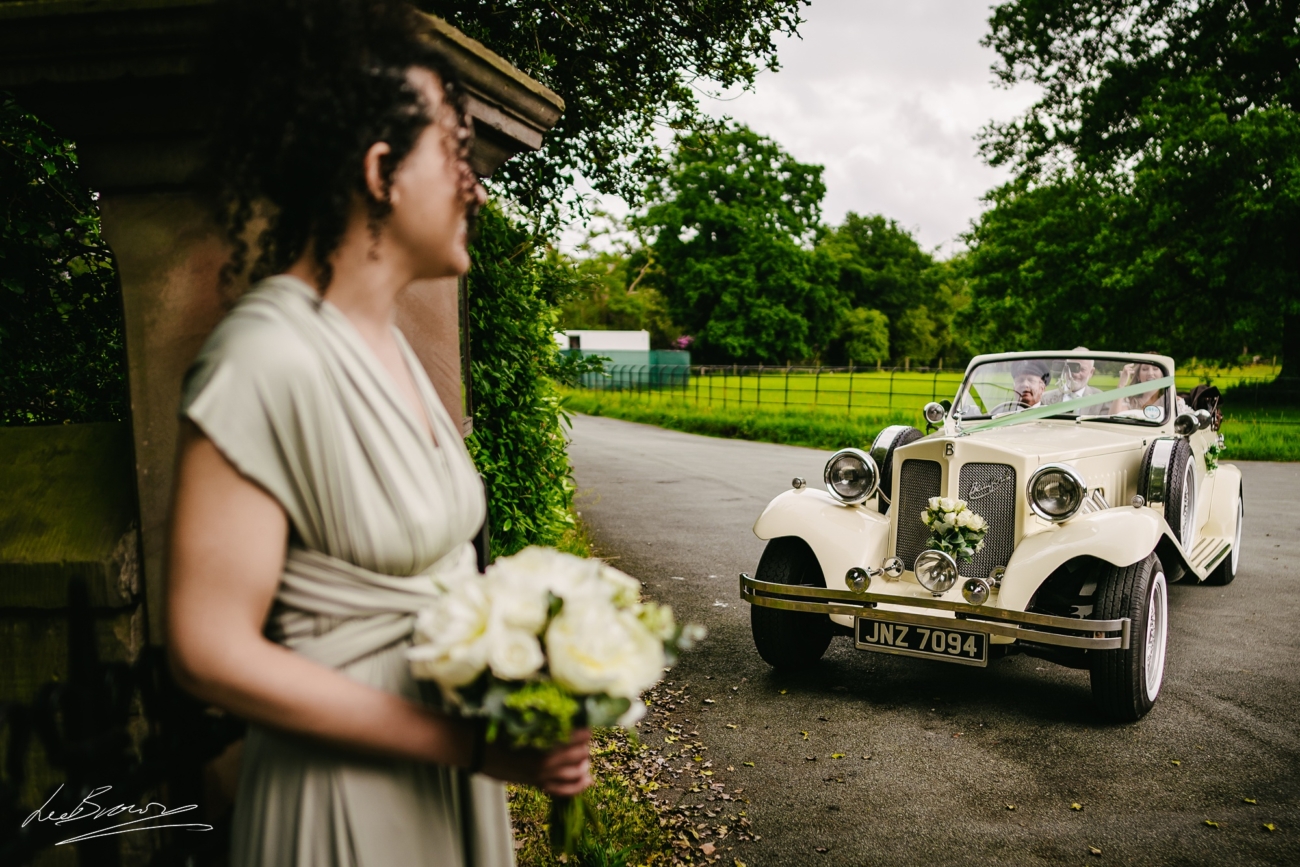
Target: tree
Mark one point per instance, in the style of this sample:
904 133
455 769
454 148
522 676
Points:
61 317
1174 128
882 267
625 69
734 222
866 336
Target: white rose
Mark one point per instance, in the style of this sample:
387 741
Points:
947 504
965 519
514 654
451 636
927 519
934 503
546 568
519 601
658 619
961 506
594 649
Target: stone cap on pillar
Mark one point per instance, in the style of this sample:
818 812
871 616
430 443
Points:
120 78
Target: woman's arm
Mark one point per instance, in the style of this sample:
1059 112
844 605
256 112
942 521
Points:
228 540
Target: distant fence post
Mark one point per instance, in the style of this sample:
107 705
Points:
724 388
786 403
849 412
817 381
934 385
890 405
758 385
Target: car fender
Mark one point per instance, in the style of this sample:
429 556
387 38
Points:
1222 519
1121 536
840 536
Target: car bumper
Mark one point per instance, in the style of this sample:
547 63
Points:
1019 625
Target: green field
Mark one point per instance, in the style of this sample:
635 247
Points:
820 412
855 394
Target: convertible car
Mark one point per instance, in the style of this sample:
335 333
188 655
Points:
1047 511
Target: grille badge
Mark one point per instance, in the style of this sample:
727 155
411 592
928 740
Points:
979 492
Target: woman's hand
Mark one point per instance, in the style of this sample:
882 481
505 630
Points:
564 771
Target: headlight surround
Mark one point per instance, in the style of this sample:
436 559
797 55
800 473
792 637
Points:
936 571
1056 492
851 476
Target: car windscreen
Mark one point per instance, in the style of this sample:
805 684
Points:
1103 389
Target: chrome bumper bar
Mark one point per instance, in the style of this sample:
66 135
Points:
1020 625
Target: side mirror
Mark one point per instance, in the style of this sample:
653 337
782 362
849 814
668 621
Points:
1186 424
934 412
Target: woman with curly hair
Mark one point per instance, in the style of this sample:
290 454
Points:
320 481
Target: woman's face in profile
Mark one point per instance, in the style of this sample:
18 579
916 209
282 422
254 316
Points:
429 220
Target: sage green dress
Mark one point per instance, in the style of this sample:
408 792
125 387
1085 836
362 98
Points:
289 392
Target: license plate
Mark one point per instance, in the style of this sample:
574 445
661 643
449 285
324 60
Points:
908 639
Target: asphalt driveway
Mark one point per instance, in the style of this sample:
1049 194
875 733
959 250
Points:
947 764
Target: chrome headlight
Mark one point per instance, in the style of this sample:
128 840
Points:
936 571
1056 492
851 476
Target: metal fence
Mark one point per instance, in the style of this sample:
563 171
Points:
879 391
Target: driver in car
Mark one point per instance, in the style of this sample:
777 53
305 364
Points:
1029 379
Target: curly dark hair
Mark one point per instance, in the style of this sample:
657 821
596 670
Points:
303 89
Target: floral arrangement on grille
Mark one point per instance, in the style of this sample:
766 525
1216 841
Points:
954 528
542 644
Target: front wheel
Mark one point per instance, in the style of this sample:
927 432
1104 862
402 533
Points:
1125 683
789 639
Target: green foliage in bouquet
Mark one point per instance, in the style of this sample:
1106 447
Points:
954 528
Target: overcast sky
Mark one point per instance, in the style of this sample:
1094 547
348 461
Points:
888 96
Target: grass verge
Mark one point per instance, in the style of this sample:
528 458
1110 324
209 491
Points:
1255 437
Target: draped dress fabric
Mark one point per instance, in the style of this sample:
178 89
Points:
292 396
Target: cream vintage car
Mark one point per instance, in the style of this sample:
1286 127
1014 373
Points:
1098 486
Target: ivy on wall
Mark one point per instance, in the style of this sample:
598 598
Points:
518 442
60 309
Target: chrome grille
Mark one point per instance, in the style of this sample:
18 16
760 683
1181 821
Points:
918 482
990 490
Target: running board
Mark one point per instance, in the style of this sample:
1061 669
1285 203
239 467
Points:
1207 553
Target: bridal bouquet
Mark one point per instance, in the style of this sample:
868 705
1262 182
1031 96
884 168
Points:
542 644
954 528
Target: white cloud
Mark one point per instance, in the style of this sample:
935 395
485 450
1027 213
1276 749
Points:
888 96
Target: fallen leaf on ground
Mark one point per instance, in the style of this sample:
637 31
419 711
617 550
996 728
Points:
1011 806
748 764
1076 806
708 848
740 863
1212 823
732 726
783 692
1174 762
708 701
956 734
1249 801
810 758
837 755
1269 826
730 768
1094 850
822 849
805 735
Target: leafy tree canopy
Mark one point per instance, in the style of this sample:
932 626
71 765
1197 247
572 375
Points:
1171 131
734 221
61 316
625 69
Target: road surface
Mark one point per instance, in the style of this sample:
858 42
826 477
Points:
935 755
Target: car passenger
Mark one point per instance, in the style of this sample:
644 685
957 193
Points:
1073 383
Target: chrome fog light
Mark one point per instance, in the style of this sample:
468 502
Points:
893 568
1055 492
851 476
1186 424
975 591
858 579
936 571
934 412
